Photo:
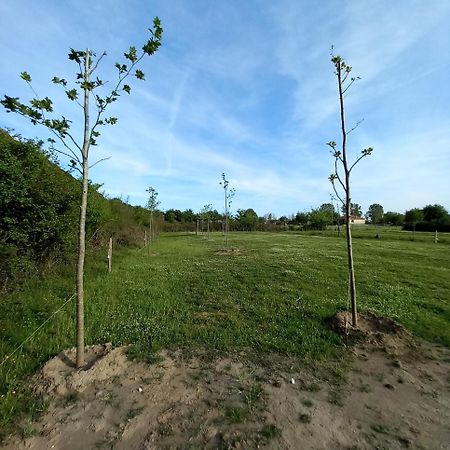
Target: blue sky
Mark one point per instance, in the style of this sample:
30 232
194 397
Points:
247 88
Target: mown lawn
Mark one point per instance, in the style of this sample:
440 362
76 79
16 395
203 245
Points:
272 295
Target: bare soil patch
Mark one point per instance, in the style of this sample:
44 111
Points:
388 393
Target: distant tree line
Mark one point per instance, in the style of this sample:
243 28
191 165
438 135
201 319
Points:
429 218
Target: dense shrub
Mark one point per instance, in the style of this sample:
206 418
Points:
37 205
39 212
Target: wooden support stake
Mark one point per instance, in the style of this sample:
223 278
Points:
110 255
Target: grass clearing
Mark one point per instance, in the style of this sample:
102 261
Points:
271 296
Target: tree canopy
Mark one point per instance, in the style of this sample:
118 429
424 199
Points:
375 213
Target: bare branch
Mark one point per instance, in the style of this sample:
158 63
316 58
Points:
97 63
336 172
337 195
345 77
99 161
356 125
32 88
352 80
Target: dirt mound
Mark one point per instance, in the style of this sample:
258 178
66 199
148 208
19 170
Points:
58 377
376 330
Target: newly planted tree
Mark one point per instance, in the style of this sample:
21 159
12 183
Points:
340 179
87 88
228 195
206 214
152 204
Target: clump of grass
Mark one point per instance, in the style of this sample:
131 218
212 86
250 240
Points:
133 412
365 388
138 352
382 429
313 387
270 431
254 394
304 418
336 397
19 404
71 398
28 430
308 403
111 399
236 414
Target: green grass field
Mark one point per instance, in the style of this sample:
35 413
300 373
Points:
273 295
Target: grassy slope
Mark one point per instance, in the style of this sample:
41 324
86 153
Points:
272 296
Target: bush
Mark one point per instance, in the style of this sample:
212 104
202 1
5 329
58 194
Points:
39 212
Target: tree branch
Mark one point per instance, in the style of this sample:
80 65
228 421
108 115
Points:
77 169
99 161
97 63
357 161
57 134
102 109
356 126
32 89
337 195
349 84
345 77
337 175
71 155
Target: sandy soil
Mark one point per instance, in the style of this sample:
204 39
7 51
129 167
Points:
390 393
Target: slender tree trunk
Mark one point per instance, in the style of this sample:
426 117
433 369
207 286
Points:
351 270
110 250
82 230
226 219
152 231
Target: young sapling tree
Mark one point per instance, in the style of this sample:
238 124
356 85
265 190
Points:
228 195
341 164
86 89
152 205
206 213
